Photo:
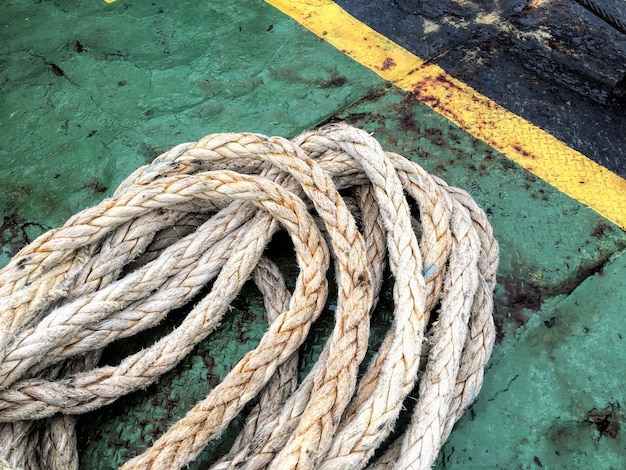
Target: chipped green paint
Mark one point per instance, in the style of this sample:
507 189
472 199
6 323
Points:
92 91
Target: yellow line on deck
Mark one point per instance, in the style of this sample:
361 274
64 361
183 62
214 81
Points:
536 150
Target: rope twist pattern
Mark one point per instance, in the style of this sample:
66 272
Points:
203 213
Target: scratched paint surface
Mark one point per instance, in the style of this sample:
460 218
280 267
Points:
90 92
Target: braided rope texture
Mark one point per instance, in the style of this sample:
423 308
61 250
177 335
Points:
201 215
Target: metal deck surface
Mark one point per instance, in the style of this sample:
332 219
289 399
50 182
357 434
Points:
552 62
517 104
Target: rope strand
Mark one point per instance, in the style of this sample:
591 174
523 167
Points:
202 214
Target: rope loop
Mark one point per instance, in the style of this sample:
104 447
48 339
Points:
202 215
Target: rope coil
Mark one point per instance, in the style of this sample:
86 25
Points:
203 213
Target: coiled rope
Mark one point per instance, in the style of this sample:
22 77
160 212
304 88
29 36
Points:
119 267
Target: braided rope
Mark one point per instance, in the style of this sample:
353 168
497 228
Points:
203 213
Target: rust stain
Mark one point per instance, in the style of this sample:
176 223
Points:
389 63
14 235
607 420
423 91
55 69
600 230
523 152
442 78
334 82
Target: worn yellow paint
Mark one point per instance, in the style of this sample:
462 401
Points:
333 24
536 150
533 148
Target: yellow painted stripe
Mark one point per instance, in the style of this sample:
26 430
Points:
536 150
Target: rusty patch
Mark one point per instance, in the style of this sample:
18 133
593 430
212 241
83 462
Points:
523 152
515 306
435 135
389 63
406 113
334 82
14 233
430 99
600 230
56 70
96 186
407 122
443 79
373 94
607 420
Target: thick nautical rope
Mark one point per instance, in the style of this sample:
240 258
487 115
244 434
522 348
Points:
203 213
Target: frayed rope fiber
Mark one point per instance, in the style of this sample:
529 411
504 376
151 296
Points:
202 214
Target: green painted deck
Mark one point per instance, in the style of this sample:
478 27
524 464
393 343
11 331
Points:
91 91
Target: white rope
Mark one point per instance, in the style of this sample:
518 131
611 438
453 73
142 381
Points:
203 213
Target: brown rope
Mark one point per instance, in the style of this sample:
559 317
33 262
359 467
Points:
204 212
